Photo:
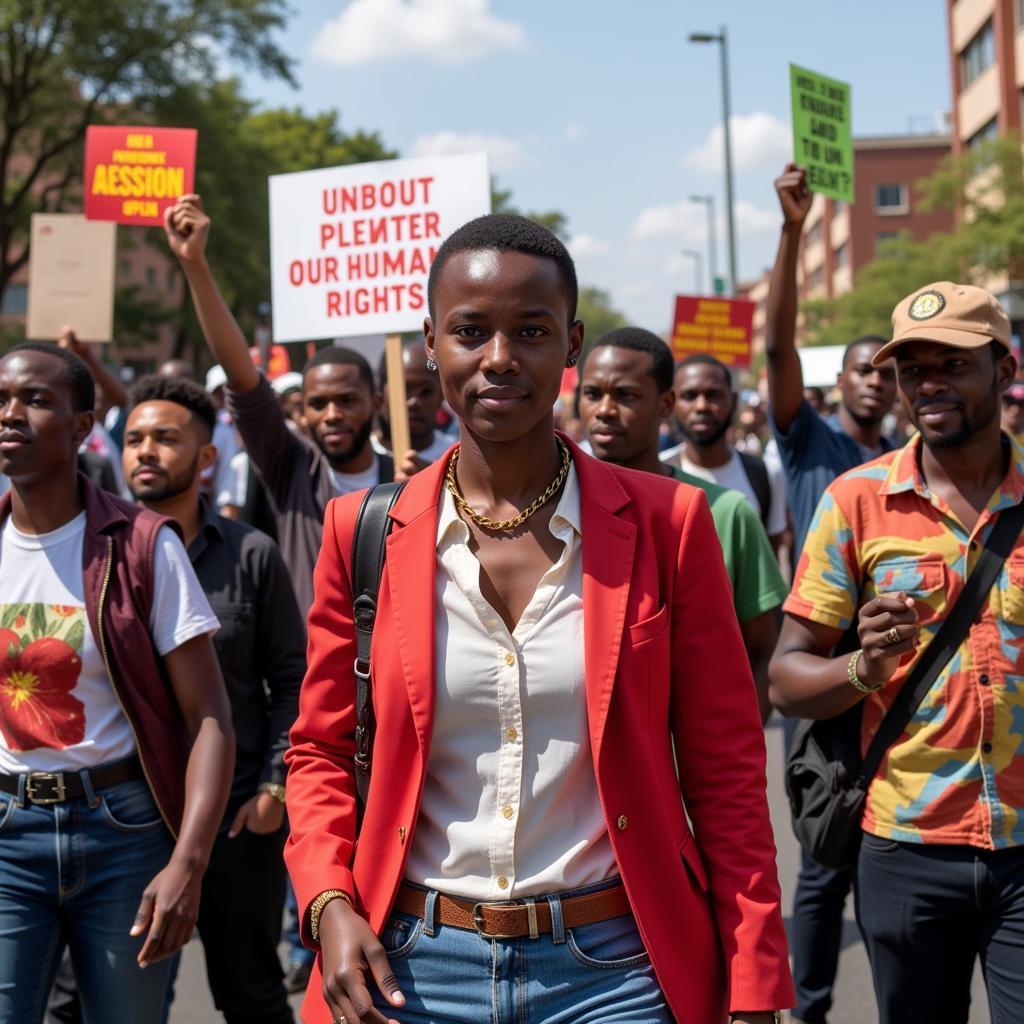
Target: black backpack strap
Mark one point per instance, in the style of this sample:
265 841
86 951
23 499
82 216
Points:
373 525
946 641
757 474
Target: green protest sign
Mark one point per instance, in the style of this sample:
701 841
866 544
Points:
822 139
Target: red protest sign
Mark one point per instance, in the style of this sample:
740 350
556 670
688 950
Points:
133 174
716 327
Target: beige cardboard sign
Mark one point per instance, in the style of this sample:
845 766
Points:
71 277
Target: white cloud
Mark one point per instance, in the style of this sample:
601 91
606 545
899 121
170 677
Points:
759 141
752 220
683 221
444 30
505 153
573 132
587 245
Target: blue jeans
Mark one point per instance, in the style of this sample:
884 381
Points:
927 913
72 874
596 974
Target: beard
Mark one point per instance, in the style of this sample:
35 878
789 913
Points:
707 440
164 488
970 424
339 460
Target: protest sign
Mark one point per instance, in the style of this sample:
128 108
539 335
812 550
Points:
71 277
716 327
351 247
133 174
822 136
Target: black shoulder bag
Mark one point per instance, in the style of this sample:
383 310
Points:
368 550
826 779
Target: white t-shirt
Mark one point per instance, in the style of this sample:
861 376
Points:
346 483
58 709
234 483
732 475
433 451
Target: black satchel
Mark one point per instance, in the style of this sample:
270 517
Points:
826 779
373 525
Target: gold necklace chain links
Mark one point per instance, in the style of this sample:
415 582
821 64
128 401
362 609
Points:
507 525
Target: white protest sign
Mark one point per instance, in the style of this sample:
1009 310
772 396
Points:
351 247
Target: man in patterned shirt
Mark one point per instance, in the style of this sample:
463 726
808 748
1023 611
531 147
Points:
941 874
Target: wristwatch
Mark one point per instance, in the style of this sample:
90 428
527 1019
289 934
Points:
276 790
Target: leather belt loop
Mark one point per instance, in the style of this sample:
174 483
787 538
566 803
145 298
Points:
531 914
22 794
90 794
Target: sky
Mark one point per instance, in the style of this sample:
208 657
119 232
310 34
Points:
603 110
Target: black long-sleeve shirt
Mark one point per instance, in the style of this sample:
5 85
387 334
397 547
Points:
260 644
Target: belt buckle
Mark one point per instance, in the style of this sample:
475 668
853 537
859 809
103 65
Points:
478 920
55 779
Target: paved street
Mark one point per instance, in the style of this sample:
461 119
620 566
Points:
854 1002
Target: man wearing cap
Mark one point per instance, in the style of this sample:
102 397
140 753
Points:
1013 411
940 880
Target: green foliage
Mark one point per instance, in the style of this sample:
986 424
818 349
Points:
66 65
598 314
985 188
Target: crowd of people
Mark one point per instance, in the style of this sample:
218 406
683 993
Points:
552 805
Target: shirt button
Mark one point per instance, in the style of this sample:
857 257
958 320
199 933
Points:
983 679
503 882
507 811
511 734
986 748
510 659
623 823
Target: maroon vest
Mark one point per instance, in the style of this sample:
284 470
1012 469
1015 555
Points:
117 570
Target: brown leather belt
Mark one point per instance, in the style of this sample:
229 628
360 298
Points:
58 787
515 919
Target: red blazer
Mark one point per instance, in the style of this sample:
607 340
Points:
664 663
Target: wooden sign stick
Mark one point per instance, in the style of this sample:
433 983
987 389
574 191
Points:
398 414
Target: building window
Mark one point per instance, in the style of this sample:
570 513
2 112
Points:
15 302
150 277
172 281
891 198
126 267
977 56
1018 14
882 238
842 257
983 135
816 280
814 232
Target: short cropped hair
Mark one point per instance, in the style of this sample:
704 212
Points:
333 355
866 339
179 390
76 374
702 359
636 339
507 232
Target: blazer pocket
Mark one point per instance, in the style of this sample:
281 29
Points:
693 861
647 629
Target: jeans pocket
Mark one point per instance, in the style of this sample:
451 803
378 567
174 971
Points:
400 935
130 807
878 844
610 944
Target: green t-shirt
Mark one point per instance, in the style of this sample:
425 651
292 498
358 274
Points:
757 584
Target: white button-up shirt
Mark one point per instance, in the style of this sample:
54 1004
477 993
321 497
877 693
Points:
510 805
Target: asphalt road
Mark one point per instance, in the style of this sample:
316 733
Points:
854 1001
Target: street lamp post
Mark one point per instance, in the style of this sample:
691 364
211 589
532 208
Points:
721 39
709 202
698 269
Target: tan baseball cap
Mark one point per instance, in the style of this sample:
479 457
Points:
948 313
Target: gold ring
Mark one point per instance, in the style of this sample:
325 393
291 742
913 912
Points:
893 636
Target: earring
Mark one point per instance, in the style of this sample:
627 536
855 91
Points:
571 361
431 365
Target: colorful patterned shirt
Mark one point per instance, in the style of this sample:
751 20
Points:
957 774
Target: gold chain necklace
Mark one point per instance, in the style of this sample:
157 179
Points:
507 525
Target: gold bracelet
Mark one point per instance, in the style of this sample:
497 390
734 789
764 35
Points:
316 908
855 680
275 789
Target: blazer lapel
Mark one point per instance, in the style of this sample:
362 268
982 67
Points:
411 563
609 544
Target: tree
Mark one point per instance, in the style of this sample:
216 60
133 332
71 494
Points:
598 314
66 65
985 188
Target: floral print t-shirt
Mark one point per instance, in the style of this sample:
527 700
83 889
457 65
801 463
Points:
58 709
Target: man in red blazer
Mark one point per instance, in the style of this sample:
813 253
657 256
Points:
661 667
